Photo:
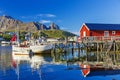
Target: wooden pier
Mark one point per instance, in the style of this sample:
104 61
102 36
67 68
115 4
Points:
106 51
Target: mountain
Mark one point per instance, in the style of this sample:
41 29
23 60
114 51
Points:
8 23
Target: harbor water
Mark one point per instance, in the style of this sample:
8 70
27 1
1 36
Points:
45 67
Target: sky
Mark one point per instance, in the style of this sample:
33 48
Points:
69 15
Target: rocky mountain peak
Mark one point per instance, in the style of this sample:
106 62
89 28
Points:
9 23
8 17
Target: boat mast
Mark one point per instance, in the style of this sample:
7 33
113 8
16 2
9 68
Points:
17 33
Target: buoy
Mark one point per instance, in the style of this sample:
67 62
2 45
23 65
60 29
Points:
85 69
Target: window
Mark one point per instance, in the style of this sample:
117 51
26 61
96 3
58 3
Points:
106 33
113 32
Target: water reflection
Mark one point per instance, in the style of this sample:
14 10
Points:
35 62
5 58
19 67
55 66
69 56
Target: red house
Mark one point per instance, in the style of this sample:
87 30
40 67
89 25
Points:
99 30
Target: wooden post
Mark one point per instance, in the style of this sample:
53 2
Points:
101 51
55 51
86 53
114 52
78 50
72 50
97 53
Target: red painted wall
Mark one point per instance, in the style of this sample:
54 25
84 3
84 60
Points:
101 33
97 33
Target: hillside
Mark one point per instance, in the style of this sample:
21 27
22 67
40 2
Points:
56 33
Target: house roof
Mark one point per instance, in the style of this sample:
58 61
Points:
97 26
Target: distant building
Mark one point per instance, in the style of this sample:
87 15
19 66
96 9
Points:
105 30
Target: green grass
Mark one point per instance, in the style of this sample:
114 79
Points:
57 33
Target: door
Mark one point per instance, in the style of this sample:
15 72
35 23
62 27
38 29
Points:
84 34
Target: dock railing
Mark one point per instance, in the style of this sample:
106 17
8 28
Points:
100 38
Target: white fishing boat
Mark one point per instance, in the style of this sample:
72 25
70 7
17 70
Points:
41 48
35 46
18 48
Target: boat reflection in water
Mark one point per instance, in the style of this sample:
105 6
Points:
35 62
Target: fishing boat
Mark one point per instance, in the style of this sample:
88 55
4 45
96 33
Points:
18 48
41 48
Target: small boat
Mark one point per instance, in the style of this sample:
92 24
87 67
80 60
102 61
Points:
5 42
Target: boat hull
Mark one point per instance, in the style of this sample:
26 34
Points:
20 50
41 48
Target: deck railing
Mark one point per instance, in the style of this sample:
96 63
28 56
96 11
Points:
100 38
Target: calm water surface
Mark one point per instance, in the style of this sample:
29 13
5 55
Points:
43 67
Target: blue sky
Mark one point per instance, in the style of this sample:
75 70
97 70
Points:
68 14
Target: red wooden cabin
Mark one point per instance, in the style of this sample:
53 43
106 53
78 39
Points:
99 30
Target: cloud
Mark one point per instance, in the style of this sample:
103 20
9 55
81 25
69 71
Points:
39 16
32 18
46 15
45 21
50 15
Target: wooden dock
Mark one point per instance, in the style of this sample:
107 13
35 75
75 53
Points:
106 51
